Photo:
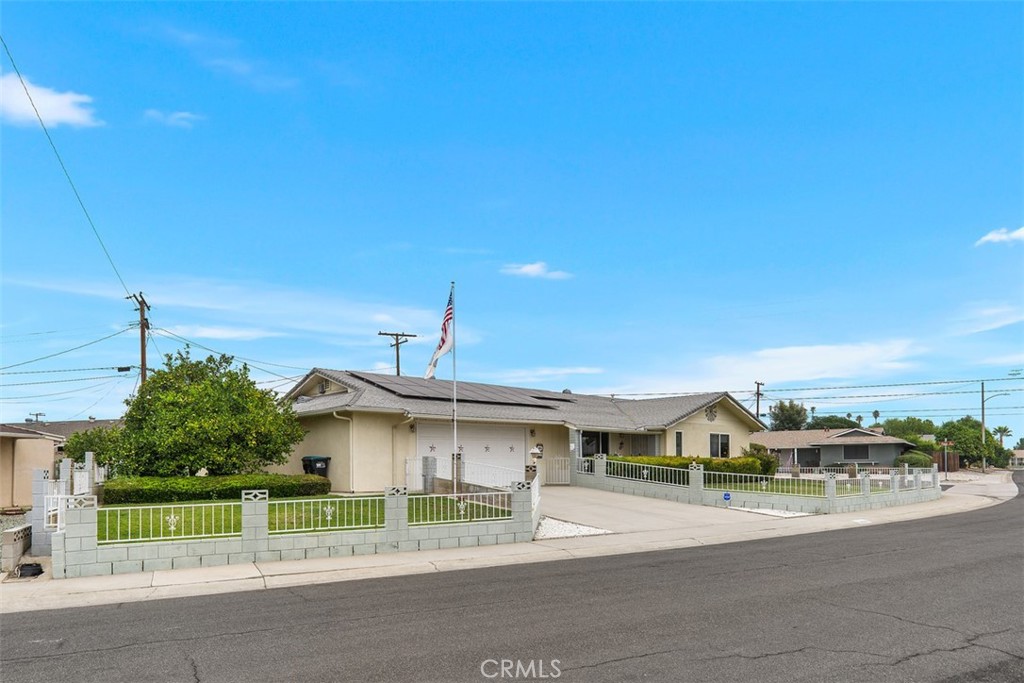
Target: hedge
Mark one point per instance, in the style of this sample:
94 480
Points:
914 459
736 465
126 490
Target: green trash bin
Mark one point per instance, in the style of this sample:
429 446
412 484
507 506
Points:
315 464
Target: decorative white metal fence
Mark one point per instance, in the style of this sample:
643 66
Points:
325 514
584 465
491 476
655 474
460 508
123 524
732 481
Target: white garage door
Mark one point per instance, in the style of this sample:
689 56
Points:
488 444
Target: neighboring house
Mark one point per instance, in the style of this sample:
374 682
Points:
33 445
831 447
1017 459
371 424
21 451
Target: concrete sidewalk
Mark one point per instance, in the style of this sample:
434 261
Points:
638 525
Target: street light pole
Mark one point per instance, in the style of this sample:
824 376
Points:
983 400
945 457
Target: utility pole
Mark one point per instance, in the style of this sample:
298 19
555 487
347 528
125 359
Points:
36 416
757 396
140 301
400 338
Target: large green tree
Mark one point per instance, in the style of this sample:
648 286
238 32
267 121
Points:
787 416
965 434
196 414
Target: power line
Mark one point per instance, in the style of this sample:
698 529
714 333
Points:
80 390
832 388
63 167
48 372
113 386
61 353
60 381
172 335
900 384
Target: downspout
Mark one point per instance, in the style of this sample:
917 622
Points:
394 449
351 451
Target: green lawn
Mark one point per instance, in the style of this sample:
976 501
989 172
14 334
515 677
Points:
203 519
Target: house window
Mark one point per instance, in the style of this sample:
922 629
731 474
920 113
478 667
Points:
719 445
594 443
679 443
856 452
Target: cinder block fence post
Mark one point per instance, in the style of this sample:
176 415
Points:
255 527
37 516
396 519
599 470
696 483
830 492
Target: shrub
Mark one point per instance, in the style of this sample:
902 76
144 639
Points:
913 459
736 465
126 490
769 462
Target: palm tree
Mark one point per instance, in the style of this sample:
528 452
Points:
860 419
875 415
1002 432
849 416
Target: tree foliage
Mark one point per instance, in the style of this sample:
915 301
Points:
196 414
787 415
103 442
908 427
965 434
830 422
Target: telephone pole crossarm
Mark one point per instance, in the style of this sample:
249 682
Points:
400 338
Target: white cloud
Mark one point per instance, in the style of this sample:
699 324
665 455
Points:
221 332
55 108
267 307
988 317
538 269
224 56
783 365
177 119
1002 235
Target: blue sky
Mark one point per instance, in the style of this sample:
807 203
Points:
631 198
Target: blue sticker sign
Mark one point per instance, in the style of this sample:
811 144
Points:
727 496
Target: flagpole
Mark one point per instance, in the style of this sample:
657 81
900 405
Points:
455 403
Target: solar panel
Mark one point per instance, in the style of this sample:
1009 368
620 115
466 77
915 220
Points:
416 387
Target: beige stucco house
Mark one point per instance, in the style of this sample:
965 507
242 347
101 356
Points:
370 425
21 451
34 445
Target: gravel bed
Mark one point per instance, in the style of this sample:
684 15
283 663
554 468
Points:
11 521
556 528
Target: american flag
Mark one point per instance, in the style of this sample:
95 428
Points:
447 337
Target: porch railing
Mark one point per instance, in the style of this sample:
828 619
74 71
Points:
654 474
